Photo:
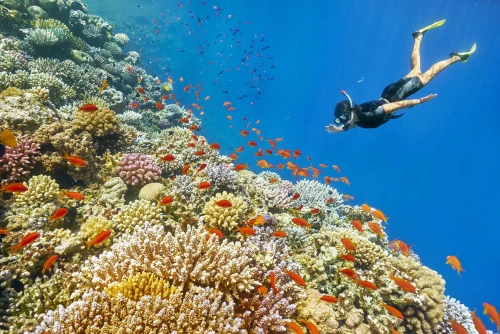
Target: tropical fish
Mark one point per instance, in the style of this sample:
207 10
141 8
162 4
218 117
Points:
141 90
297 153
311 327
348 244
215 231
204 185
492 312
13 188
193 127
329 201
103 85
185 169
74 160
215 146
25 241
60 213
394 311
233 156
299 207
301 222
348 257
349 273
246 230
262 164
259 220
88 107
478 323
7 138
199 153
366 208
50 261
224 203
272 279
168 158
357 225
329 299
345 180
159 105
314 211
403 284
296 278
98 239
202 167
5 231
457 328
262 290
240 167
74 195
336 168
376 228
284 154
166 200
454 263
367 284
294 327
279 234
207 97
295 196
187 87
252 143
225 104
380 215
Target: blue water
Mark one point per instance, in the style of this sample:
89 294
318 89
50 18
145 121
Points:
434 172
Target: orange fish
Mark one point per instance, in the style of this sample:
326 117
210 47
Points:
164 97
299 207
159 105
259 153
348 244
311 327
172 96
185 169
204 185
344 180
296 278
187 88
191 144
215 231
272 279
329 201
229 117
454 263
297 153
207 97
224 203
272 143
367 284
328 180
199 153
103 85
262 164
244 133
366 208
240 167
492 312
278 139
457 328
481 329
5 231
301 222
279 234
328 299
284 153
50 261
196 106
336 168
349 273
88 107
403 284
376 228
394 311
269 152
347 197
348 257
13 188
259 220
246 230
239 149
323 166
262 290
60 213
231 108
166 200
74 160
273 180
233 156
74 195
295 196
314 211
393 331
98 239
168 158
403 247
193 127
202 167
215 146
134 105
141 90
252 143
294 327
380 215
357 225
225 104
280 166
25 241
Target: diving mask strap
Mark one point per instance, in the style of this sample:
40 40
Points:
351 112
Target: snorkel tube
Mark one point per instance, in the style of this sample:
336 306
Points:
351 113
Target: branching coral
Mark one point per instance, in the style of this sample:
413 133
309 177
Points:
137 213
138 169
18 162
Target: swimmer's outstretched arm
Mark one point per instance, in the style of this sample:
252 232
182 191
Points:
334 129
389 108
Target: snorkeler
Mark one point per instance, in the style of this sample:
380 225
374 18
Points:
374 113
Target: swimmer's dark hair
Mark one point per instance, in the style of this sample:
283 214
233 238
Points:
342 107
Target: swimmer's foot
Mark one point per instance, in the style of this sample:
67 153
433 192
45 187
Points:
464 56
429 27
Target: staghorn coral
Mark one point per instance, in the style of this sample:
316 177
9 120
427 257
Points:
137 213
141 284
314 194
99 123
138 169
225 218
18 162
459 312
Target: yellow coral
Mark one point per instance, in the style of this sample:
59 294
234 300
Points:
41 189
225 218
93 226
141 284
137 214
99 123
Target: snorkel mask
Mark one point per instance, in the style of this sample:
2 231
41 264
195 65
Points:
344 114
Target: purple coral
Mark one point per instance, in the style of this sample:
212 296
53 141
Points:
137 169
18 162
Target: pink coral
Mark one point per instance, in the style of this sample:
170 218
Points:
18 162
135 169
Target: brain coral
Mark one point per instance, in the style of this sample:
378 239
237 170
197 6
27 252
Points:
137 169
99 123
225 218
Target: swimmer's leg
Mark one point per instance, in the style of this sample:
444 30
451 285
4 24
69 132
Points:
415 57
438 67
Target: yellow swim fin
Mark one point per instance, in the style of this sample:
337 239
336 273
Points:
429 27
464 56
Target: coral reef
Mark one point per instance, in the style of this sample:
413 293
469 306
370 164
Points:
18 162
137 169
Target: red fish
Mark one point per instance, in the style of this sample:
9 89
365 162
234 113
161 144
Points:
314 211
25 241
295 196
348 244
187 88
141 90
380 215
492 312
262 290
159 105
185 169
13 188
348 257
329 299
259 153
252 143
224 203
172 96
279 234
74 160
60 213
88 107
202 167
233 156
299 207
100 238
329 201
376 228
199 153
50 261
215 146
204 185
5 231
349 273
457 328
168 158
166 200
301 222
193 127
296 278
272 278
239 167
297 153
74 195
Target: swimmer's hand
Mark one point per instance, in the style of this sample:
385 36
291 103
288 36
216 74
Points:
427 98
333 129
